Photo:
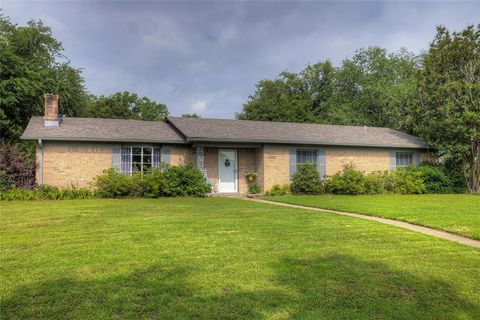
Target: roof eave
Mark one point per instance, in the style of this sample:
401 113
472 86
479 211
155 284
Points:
325 143
87 139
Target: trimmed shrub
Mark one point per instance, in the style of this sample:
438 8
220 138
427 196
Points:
348 181
278 190
184 181
114 184
169 181
254 188
307 180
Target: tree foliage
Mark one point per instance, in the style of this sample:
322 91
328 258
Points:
126 105
31 64
373 88
16 170
191 115
448 115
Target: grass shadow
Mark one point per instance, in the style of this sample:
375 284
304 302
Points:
345 287
330 287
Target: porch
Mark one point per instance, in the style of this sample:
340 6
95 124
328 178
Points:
226 166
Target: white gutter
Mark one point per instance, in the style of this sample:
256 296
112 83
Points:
40 163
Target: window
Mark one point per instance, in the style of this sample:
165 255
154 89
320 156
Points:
403 159
306 156
139 159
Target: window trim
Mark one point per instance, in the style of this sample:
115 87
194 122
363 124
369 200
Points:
315 156
404 166
130 154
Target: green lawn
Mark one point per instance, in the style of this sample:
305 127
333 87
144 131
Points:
223 259
456 213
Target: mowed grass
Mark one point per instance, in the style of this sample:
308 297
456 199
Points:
223 259
455 213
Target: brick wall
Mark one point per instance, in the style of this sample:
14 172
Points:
274 166
273 162
181 155
246 163
364 159
67 164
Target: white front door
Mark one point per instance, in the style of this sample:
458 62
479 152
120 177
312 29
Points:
227 170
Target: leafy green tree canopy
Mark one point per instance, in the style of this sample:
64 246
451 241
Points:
448 115
31 64
126 105
373 88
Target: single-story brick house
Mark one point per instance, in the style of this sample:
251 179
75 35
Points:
73 151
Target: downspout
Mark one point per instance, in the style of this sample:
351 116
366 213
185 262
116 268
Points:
40 163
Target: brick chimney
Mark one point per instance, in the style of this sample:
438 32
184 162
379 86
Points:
51 118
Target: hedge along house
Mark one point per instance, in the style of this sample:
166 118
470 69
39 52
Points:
73 151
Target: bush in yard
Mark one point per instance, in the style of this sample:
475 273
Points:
254 188
348 181
377 182
6 182
169 181
307 180
278 190
149 185
16 170
438 179
409 181
114 184
184 181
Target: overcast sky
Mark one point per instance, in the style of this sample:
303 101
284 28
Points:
206 57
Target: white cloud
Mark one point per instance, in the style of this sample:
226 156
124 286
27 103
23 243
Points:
198 106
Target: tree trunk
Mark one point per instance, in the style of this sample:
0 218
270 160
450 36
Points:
473 170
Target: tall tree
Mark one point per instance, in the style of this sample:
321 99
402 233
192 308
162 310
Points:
31 64
373 88
294 97
126 105
448 115
376 88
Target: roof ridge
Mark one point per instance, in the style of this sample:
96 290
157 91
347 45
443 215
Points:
284 122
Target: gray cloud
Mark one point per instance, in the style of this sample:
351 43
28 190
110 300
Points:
207 56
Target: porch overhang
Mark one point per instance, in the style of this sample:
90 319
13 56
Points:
227 145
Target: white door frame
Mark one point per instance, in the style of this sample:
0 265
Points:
235 169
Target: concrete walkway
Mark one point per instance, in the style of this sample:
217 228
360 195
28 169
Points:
401 224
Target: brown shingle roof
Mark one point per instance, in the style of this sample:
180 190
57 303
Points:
93 129
219 130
